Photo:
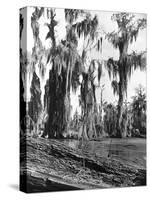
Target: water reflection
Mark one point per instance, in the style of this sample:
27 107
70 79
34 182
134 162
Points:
130 151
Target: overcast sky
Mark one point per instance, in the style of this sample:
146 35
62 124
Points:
108 51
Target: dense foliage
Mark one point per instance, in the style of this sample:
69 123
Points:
72 70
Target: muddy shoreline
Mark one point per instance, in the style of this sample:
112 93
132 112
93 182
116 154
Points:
53 165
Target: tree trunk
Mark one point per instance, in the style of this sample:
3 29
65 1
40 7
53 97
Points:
119 117
122 76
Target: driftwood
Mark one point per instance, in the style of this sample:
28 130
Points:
50 165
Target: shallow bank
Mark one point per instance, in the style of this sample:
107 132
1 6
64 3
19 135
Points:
53 165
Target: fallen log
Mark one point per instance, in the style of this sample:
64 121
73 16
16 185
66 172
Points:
49 165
